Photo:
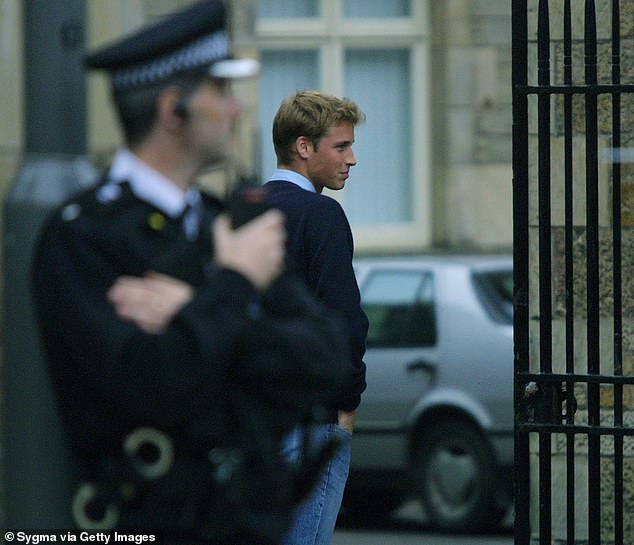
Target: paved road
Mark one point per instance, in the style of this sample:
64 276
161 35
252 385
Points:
400 537
408 527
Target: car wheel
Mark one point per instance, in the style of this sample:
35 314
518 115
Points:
455 480
369 504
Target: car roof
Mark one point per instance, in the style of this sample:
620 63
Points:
479 262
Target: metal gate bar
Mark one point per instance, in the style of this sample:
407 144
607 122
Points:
519 76
569 276
545 261
617 273
592 274
545 402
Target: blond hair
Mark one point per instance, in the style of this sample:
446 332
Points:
309 114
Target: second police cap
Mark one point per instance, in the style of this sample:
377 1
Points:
194 40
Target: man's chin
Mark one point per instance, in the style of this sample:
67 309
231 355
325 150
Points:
337 186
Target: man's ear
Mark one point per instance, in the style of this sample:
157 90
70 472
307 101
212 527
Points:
303 146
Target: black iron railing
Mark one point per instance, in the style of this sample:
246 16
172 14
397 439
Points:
545 400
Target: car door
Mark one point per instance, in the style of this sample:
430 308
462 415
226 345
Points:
400 356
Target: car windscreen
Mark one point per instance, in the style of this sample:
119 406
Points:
400 308
495 291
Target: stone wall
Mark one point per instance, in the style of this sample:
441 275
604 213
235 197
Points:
471 125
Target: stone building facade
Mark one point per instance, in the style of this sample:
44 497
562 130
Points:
467 109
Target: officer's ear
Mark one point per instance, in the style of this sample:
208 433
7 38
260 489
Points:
172 107
181 108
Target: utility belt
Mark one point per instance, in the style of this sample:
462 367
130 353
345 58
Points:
151 466
202 494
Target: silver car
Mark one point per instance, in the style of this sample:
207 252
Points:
436 420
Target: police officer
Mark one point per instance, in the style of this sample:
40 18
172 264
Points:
176 427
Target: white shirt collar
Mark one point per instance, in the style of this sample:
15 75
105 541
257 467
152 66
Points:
284 175
150 185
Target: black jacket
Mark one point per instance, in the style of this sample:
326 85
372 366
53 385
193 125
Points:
234 370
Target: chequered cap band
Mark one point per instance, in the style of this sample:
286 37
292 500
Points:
203 51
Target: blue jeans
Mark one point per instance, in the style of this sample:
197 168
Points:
315 519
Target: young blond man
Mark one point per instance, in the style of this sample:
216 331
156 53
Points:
313 135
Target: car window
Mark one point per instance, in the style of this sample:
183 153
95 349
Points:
400 308
495 291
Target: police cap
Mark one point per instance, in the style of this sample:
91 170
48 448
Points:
194 41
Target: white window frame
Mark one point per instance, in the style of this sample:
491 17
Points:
331 34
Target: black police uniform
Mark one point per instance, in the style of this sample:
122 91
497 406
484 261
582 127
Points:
234 371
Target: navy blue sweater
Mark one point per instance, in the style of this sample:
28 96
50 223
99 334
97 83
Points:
320 249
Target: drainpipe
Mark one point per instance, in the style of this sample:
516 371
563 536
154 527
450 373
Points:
38 479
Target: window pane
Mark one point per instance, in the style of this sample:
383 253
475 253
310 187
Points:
286 9
376 8
495 291
393 287
379 189
400 308
283 72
